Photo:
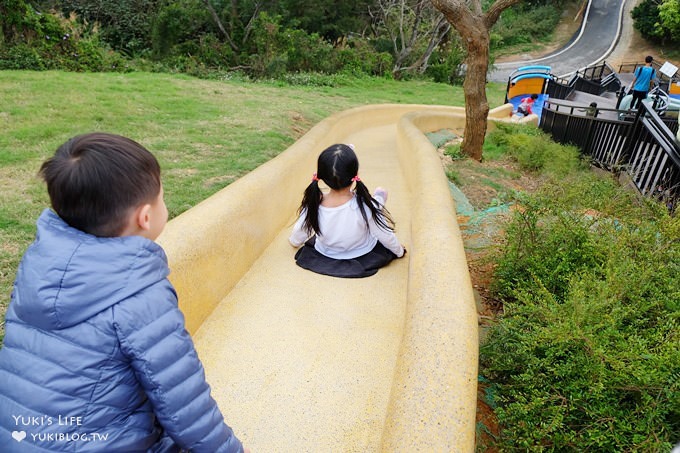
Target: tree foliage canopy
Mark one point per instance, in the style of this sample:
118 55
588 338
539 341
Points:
396 38
658 20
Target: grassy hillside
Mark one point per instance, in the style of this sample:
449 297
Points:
206 134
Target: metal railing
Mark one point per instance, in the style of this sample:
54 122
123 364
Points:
560 88
643 144
596 72
596 79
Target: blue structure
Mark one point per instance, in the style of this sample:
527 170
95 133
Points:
526 81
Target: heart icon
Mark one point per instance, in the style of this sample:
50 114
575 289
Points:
19 435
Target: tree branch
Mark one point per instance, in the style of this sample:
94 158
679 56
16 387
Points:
217 20
494 12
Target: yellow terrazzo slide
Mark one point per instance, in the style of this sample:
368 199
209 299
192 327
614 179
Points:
300 362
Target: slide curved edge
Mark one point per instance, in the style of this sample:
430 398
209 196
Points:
212 245
433 401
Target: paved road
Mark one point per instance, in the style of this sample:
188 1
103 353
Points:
595 41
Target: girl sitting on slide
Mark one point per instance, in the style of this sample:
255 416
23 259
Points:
345 232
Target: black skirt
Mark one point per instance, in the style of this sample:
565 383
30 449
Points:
366 265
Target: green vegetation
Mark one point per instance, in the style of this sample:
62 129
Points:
526 26
532 149
584 356
401 40
659 21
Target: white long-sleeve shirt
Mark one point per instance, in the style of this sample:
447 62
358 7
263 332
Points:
344 234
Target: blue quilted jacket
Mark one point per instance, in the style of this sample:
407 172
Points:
96 356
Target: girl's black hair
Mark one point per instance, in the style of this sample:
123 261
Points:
337 166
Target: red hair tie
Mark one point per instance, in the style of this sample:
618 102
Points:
356 178
314 177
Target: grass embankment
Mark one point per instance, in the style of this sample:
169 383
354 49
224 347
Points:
206 134
583 352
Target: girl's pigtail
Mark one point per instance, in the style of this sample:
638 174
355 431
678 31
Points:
380 214
310 207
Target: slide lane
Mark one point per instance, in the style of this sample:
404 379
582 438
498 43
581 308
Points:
304 362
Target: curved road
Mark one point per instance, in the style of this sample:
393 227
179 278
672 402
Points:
595 40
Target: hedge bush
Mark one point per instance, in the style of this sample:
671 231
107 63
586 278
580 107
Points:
585 356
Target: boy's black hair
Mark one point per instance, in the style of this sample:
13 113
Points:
337 165
94 180
649 59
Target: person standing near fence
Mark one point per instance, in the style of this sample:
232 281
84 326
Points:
643 77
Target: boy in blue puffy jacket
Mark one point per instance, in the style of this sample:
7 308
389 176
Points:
95 355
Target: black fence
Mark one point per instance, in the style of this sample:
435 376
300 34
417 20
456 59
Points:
593 80
596 72
560 88
643 144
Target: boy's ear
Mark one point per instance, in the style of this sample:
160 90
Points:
143 217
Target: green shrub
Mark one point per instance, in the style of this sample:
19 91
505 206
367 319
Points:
21 56
169 29
50 41
585 356
647 21
314 79
525 23
533 149
125 25
454 151
445 63
360 57
306 52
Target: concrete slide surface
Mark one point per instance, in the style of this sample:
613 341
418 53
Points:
304 362
309 363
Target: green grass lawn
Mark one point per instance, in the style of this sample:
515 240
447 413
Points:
205 133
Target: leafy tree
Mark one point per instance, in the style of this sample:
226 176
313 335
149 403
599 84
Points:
647 20
328 18
219 24
126 24
474 25
669 13
178 22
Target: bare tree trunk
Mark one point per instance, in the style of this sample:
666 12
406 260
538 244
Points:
249 26
408 23
467 17
217 20
438 35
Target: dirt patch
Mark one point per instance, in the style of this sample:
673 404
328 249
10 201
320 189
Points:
299 124
483 192
487 424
